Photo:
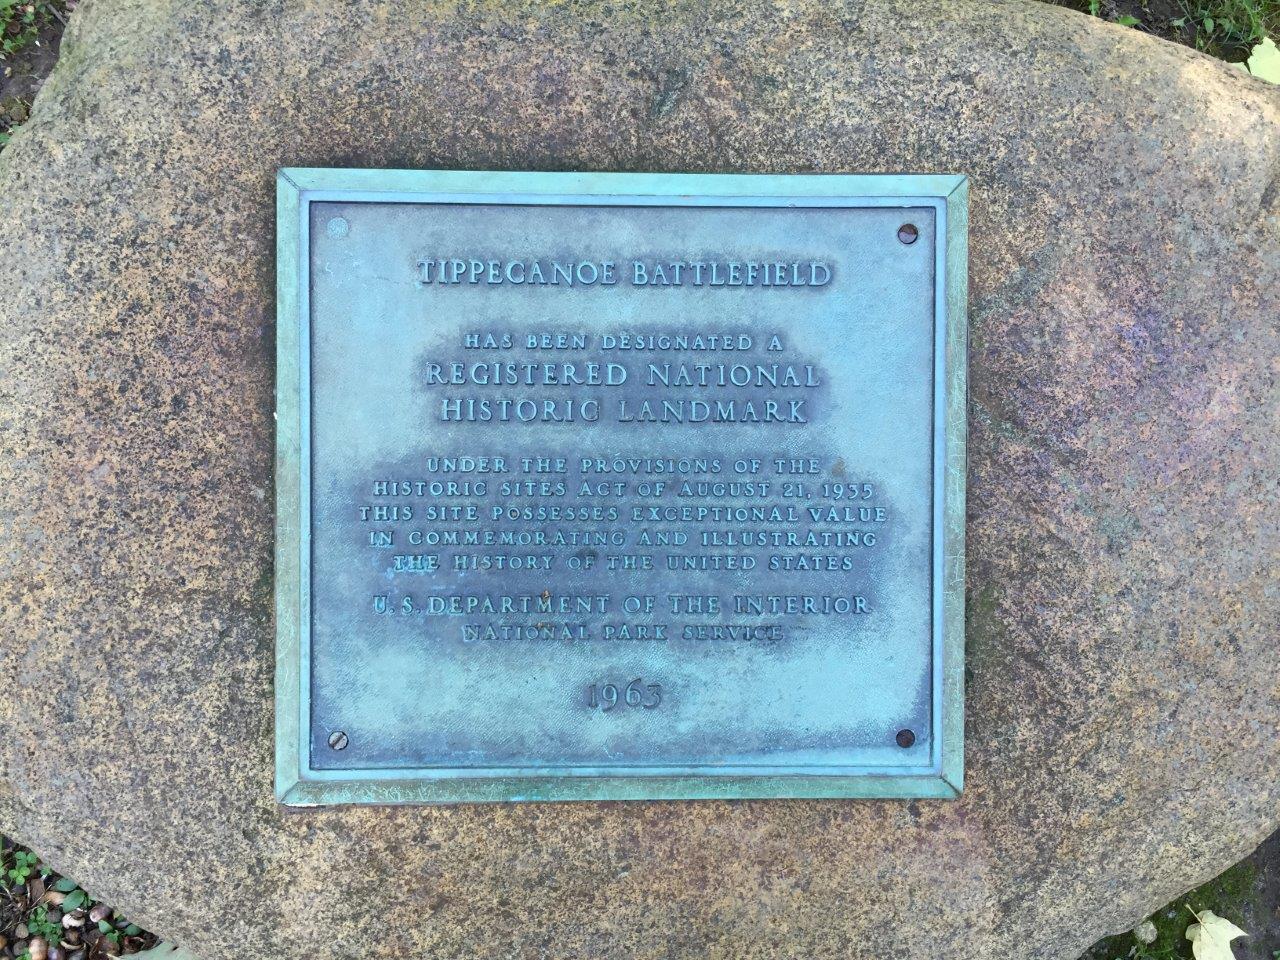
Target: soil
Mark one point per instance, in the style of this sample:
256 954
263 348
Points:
22 76
42 913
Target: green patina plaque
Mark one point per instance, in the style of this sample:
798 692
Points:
619 486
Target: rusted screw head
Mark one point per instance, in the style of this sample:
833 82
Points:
908 233
905 738
338 740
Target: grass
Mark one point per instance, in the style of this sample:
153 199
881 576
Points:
1232 26
1227 29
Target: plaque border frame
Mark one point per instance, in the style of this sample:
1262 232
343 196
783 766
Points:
296 784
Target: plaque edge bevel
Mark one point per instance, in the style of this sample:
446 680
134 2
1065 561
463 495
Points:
294 789
288 474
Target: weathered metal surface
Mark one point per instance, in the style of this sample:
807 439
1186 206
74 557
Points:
619 486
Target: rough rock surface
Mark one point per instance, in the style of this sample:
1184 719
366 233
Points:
1123 596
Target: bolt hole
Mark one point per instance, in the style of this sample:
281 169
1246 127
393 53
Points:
908 233
338 740
905 739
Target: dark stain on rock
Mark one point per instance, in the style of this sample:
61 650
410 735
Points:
672 84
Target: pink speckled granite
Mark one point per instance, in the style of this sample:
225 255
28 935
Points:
1123 522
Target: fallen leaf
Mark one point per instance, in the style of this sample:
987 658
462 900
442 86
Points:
1211 937
75 900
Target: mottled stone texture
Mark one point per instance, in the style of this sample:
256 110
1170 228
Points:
1123 596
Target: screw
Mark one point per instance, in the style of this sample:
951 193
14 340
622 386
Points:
905 738
338 740
908 233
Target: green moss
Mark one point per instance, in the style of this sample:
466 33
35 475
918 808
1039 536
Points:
262 596
981 623
1227 896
